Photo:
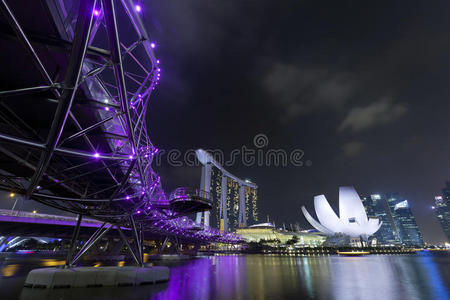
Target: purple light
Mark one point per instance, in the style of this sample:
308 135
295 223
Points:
153 45
96 12
138 8
96 155
107 108
157 61
127 197
130 157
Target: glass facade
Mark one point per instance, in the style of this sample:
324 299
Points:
232 202
251 199
215 190
442 209
407 232
376 207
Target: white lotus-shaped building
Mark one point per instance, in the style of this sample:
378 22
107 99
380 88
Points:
352 220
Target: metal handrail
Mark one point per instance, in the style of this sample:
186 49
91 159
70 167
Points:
189 192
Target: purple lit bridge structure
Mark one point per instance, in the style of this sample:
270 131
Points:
76 80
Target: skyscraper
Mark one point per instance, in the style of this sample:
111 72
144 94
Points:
376 207
234 199
442 209
407 231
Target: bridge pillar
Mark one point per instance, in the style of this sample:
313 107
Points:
76 232
164 244
205 184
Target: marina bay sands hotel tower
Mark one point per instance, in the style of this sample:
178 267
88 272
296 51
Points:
234 199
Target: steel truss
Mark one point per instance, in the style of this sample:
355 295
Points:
92 156
123 162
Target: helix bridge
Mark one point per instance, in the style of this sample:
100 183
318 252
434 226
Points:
77 79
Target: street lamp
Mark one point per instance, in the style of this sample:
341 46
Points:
16 198
13 195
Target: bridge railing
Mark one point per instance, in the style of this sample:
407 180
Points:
186 192
25 214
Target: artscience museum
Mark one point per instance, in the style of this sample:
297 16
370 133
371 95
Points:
352 219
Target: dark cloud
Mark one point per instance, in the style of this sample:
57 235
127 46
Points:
352 149
350 83
297 90
380 112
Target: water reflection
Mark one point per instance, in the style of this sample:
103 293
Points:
438 287
273 277
138 293
10 270
310 277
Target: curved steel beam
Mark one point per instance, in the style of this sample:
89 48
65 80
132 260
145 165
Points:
80 44
116 56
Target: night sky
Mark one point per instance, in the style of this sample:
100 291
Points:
361 88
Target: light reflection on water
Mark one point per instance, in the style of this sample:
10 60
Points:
278 277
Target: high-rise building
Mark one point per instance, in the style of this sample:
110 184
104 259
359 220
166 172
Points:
442 209
407 231
234 199
376 207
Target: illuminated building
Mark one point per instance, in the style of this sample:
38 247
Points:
352 220
442 209
407 231
268 232
376 207
235 200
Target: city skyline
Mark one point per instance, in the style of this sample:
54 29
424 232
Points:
358 87
371 211
224 149
310 91
441 208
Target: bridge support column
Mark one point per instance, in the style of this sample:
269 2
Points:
137 241
76 232
125 240
98 234
163 246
